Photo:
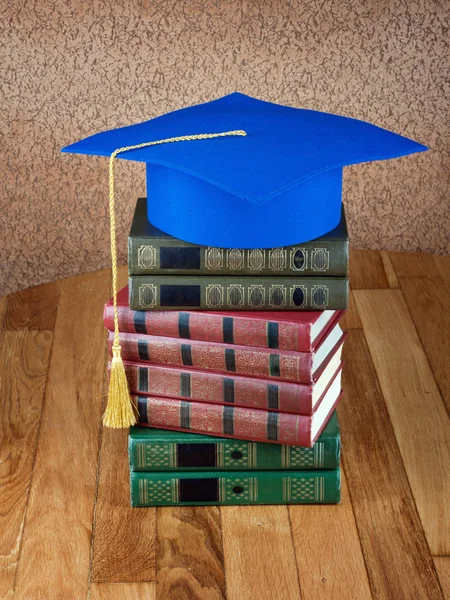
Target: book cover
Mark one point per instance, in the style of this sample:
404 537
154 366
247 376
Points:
303 367
238 422
177 292
161 450
153 252
301 331
234 390
235 487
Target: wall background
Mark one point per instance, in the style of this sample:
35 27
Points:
70 69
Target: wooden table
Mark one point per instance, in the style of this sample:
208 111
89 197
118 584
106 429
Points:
66 528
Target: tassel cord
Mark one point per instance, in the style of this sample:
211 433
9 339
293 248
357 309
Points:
120 412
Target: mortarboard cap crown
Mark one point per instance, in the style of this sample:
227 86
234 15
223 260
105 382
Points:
279 185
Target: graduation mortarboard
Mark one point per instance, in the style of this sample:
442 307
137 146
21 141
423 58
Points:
279 185
253 175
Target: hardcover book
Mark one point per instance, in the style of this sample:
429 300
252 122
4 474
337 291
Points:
177 292
234 390
238 422
303 367
301 331
235 487
160 450
153 252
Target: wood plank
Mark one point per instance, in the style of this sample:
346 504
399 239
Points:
442 564
57 534
259 553
122 591
366 270
418 415
328 551
413 264
189 553
396 552
34 308
3 301
351 319
24 361
443 266
428 300
389 269
124 537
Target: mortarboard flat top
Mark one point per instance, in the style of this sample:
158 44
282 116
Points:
280 185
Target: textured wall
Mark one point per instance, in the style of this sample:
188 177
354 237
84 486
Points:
69 69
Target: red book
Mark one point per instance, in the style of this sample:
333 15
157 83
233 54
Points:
300 331
303 367
238 422
232 390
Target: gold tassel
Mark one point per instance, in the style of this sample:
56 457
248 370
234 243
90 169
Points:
120 412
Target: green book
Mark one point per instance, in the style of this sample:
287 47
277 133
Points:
235 487
161 450
153 252
177 292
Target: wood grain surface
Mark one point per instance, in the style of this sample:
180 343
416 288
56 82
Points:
56 544
190 560
417 412
259 553
443 568
24 362
328 551
124 538
399 564
122 591
66 528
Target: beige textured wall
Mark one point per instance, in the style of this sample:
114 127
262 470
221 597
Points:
69 69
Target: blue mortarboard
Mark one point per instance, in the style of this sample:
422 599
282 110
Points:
279 185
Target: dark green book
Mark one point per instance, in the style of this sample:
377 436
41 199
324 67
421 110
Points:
153 252
161 450
177 292
235 487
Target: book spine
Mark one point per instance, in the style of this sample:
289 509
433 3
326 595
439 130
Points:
219 389
235 487
230 455
237 293
223 358
153 256
224 421
217 328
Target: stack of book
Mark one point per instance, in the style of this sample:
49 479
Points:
238 344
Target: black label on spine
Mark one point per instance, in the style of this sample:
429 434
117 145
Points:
143 379
139 321
179 258
198 490
227 329
143 350
196 455
228 390
274 365
185 415
142 410
272 426
186 355
183 326
272 335
228 420
272 391
185 385
230 360
180 295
